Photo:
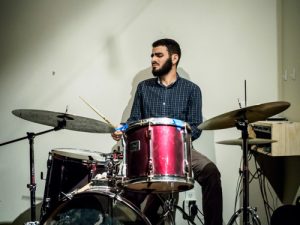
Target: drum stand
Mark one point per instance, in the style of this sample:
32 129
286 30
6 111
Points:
32 185
169 207
242 124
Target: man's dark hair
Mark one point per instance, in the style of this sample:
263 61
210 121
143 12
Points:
172 46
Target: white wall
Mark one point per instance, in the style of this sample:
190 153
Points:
54 51
290 63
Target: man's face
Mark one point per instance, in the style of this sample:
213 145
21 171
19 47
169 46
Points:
161 61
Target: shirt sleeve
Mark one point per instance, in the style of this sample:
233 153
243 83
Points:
135 113
194 115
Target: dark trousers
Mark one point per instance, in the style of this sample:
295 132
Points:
207 175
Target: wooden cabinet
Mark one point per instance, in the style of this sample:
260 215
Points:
285 133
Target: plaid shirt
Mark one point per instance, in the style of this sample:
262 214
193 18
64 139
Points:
181 100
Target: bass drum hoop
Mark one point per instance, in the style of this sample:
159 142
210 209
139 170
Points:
96 191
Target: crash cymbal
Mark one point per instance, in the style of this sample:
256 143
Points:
63 120
251 114
251 141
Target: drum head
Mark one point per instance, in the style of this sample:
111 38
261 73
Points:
96 207
81 154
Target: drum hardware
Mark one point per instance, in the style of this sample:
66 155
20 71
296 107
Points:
186 167
150 173
46 199
240 119
169 206
66 196
150 169
124 165
32 223
185 141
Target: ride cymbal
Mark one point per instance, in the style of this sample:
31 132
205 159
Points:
251 114
63 121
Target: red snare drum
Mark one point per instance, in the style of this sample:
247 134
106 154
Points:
158 156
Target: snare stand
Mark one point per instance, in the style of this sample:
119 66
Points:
242 124
169 207
32 185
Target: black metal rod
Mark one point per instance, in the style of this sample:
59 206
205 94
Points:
245 173
26 137
245 84
32 185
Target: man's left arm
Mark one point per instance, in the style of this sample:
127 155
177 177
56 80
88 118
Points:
194 116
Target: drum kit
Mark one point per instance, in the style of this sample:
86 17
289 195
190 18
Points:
83 185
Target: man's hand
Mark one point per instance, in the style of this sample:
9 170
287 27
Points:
117 135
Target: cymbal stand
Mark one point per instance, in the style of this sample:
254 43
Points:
242 124
32 185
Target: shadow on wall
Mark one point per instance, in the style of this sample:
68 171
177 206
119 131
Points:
25 216
205 144
140 76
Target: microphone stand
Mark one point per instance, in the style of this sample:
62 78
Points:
32 185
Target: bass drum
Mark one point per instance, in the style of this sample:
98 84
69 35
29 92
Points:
99 207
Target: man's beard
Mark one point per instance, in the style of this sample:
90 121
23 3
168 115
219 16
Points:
166 68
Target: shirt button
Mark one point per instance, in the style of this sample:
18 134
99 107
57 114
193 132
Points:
164 103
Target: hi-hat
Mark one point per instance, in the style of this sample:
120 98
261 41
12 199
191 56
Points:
251 114
250 141
64 121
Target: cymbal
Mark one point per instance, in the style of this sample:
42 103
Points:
251 141
63 120
251 114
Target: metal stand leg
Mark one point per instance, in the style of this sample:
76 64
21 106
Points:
249 215
252 216
169 209
32 185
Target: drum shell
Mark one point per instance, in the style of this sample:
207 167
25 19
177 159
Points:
158 156
67 172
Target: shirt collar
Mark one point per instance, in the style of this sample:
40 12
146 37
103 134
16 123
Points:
170 85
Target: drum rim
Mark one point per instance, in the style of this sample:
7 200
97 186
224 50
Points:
129 184
158 121
109 193
71 153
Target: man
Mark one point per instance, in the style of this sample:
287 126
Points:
169 95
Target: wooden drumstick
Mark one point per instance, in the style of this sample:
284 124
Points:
93 108
84 188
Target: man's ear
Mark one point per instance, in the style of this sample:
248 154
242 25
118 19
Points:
175 58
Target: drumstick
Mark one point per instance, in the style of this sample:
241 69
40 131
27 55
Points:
84 188
103 117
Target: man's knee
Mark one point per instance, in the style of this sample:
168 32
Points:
209 173
212 171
